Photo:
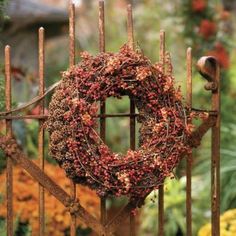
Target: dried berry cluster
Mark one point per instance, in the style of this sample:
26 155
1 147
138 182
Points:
72 123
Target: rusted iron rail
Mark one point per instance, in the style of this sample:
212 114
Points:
41 54
161 188
209 69
189 156
38 117
101 27
130 32
9 177
71 64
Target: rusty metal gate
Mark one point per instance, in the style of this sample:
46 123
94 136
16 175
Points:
209 69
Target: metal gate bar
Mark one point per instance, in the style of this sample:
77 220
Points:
162 53
130 31
42 117
215 157
9 176
210 70
101 27
189 156
41 54
71 64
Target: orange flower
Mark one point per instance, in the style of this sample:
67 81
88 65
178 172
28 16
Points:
225 15
220 53
26 197
198 5
207 28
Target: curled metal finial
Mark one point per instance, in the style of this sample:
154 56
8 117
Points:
208 67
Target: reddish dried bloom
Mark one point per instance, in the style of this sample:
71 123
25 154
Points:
85 55
157 127
221 54
207 28
178 94
87 119
225 15
143 73
199 5
164 113
169 84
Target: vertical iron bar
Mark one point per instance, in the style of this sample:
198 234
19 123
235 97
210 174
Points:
72 63
41 59
189 78
72 34
9 177
130 27
130 31
101 23
189 156
101 27
162 50
215 159
161 188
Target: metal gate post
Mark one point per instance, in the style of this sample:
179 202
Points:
210 70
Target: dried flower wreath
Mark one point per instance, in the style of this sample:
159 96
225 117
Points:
72 122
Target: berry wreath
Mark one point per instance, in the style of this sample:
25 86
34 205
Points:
72 123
